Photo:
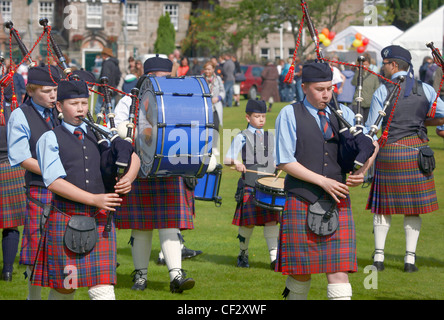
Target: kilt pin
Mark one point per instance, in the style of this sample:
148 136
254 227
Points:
12 193
399 186
157 203
303 252
247 213
31 230
65 269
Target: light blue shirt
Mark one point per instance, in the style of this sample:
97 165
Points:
48 154
238 143
19 134
381 94
286 137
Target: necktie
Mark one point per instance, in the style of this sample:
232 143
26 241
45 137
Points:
78 133
325 126
47 113
259 135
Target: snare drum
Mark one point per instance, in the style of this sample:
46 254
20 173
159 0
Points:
270 194
175 126
208 186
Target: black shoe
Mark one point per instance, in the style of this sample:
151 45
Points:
379 265
242 260
7 276
409 267
139 282
180 283
273 264
188 253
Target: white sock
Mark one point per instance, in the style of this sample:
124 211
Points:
271 234
244 238
381 226
102 292
298 290
55 295
412 227
34 292
170 244
339 291
141 249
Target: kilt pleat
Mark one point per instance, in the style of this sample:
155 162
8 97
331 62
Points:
247 213
31 229
399 186
58 267
157 203
13 197
301 251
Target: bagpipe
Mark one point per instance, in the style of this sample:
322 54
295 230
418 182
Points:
355 147
437 57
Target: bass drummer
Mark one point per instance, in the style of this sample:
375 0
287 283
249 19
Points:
257 148
164 203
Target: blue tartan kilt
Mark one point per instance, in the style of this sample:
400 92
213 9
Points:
247 213
58 267
399 186
12 195
300 251
157 203
31 229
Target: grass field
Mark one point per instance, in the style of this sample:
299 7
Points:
217 277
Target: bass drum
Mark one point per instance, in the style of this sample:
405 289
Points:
175 126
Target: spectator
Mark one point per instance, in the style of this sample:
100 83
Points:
270 90
348 89
228 69
184 68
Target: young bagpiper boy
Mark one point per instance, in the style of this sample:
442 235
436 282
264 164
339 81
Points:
257 148
69 157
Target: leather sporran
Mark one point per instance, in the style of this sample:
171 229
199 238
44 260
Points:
426 160
323 217
81 234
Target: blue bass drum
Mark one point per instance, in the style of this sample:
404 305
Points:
269 193
208 186
175 126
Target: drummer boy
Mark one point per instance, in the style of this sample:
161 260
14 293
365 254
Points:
256 147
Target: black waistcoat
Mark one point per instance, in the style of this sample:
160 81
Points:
38 126
80 160
314 153
257 155
409 115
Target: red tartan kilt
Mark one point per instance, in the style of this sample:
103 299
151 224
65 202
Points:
57 267
248 214
301 251
157 203
399 187
31 229
12 195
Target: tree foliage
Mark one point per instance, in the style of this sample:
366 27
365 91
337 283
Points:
166 36
406 11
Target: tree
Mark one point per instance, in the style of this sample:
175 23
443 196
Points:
166 36
406 11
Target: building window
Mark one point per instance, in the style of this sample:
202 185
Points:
6 8
173 10
265 53
94 15
46 10
373 2
132 16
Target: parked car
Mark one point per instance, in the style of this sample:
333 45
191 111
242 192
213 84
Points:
252 86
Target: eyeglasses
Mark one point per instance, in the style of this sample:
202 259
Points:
389 62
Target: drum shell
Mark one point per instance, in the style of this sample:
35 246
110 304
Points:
207 188
268 197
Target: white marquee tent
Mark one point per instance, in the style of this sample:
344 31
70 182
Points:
414 39
379 37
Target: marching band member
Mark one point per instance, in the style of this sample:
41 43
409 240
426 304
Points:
257 148
307 143
163 203
399 186
69 158
25 126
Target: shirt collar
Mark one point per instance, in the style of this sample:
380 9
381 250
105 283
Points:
39 108
253 129
399 73
71 128
313 110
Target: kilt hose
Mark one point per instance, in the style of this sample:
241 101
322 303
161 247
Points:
248 214
31 230
157 203
13 196
300 251
57 267
399 186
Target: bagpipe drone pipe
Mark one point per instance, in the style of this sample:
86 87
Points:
437 57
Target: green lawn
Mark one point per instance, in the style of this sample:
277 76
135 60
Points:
217 277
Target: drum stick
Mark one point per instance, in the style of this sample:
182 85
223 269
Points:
258 172
277 176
